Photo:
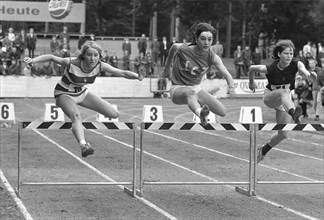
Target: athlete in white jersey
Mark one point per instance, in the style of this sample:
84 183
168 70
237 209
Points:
190 64
71 90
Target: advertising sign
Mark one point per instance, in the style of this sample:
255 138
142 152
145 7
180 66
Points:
53 11
242 87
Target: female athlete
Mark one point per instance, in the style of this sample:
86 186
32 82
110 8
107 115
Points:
71 90
280 74
189 65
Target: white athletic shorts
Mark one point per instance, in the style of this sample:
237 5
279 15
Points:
173 88
77 98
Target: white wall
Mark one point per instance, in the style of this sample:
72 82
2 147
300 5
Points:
108 87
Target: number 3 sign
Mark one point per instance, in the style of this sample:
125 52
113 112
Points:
251 115
152 113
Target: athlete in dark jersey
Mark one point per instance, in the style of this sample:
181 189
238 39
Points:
280 74
71 90
190 63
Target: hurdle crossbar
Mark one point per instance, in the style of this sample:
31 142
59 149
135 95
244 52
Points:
253 128
41 125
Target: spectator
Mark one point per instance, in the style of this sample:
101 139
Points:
142 44
313 51
256 58
127 46
58 69
262 35
113 60
155 49
11 36
315 87
320 95
218 49
126 60
302 90
300 56
6 43
54 44
320 51
92 37
307 48
247 59
106 57
174 40
3 68
82 40
150 65
21 43
65 52
46 70
2 35
238 62
31 42
140 65
164 50
14 68
14 53
64 37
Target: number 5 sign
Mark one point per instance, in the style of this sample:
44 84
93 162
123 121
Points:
53 113
251 115
7 112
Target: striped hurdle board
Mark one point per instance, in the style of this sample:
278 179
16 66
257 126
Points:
86 125
232 126
291 127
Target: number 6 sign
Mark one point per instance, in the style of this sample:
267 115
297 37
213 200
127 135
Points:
7 112
251 115
53 113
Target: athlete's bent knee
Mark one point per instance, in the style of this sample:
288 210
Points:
283 135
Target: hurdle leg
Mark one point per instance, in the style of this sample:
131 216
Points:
132 191
141 161
19 159
252 155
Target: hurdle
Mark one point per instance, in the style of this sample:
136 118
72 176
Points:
253 128
39 125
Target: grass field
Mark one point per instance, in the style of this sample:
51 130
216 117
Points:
53 155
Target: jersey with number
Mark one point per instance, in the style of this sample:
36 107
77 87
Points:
188 67
280 77
74 79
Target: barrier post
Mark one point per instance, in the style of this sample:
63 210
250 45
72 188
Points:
127 190
19 158
141 160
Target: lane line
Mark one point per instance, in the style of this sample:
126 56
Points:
18 201
209 178
161 211
229 155
277 149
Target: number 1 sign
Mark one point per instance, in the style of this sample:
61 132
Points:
251 115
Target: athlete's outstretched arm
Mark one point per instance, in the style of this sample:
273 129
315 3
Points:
168 62
255 69
217 61
122 73
47 57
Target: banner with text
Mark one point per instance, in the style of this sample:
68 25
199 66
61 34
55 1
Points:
242 87
53 11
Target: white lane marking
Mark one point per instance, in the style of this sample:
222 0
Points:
18 201
161 211
286 208
277 149
208 177
228 155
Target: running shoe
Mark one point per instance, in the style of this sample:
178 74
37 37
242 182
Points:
297 113
260 157
86 150
203 115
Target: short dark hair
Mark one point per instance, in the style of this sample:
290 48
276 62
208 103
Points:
195 30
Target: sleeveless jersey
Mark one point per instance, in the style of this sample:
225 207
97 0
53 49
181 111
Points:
276 76
74 79
188 67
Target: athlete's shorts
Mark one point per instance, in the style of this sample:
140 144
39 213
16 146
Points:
281 107
76 98
173 88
